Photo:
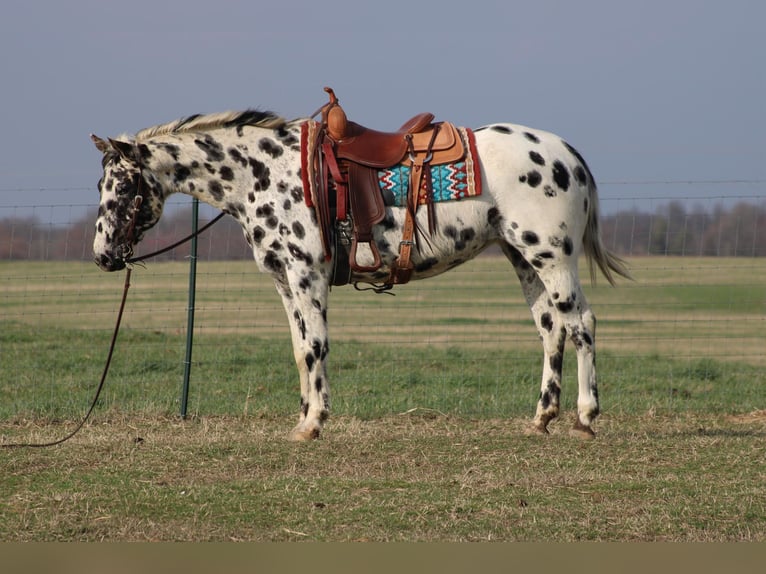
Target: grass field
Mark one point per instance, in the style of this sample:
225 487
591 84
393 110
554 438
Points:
431 390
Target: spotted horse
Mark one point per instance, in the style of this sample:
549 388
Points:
538 203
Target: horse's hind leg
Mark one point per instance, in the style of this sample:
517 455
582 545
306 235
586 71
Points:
552 334
563 286
560 309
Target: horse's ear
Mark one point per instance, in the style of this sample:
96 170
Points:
125 149
101 145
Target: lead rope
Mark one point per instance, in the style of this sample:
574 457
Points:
100 384
131 230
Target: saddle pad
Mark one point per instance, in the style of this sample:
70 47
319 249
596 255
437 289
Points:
451 181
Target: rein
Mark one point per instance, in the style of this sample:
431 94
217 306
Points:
189 237
100 384
131 231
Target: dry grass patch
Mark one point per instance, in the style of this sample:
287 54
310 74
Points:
417 476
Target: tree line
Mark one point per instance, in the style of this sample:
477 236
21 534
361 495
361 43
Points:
672 229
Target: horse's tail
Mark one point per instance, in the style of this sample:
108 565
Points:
595 250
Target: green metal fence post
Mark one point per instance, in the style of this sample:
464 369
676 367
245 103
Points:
190 309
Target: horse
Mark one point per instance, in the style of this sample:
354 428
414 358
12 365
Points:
538 202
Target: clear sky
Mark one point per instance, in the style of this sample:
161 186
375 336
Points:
649 91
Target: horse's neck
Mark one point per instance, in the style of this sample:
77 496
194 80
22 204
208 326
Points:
216 167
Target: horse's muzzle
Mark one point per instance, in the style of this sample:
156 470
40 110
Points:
108 263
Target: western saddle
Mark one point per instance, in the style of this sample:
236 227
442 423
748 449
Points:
346 159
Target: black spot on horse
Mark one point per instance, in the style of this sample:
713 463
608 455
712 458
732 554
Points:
531 137
299 254
237 210
258 234
171 149
556 362
568 247
270 147
235 154
301 323
502 129
213 149
251 197
215 189
261 173
461 238
325 405
561 175
272 262
181 172
537 158
530 238
551 394
316 347
298 229
546 322
426 264
227 174
287 137
580 175
264 211
494 218
515 256
388 222
532 178
580 159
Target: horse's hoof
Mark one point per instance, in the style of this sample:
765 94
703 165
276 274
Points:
300 434
535 430
581 431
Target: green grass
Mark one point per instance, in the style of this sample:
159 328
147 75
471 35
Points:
56 371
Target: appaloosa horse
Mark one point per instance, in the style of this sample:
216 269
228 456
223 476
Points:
539 203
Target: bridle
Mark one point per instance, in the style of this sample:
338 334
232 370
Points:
136 206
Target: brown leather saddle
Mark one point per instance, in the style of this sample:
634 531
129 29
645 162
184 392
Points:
347 157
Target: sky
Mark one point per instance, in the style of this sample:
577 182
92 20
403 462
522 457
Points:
664 98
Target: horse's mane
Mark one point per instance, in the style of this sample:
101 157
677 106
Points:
202 123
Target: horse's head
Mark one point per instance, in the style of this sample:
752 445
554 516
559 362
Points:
131 202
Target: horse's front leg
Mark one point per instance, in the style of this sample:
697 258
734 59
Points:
307 315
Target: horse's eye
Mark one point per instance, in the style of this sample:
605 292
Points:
123 188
